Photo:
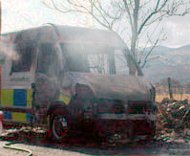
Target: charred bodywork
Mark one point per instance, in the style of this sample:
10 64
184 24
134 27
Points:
79 77
121 105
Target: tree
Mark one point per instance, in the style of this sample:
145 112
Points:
136 21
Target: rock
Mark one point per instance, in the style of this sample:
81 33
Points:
181 107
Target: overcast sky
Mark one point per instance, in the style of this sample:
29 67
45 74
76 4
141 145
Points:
22 14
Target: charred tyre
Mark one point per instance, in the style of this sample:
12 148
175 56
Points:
59 125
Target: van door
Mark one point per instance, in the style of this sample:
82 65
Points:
46 81
18 75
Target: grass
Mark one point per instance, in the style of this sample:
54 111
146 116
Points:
160 97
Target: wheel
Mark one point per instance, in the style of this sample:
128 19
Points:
59 126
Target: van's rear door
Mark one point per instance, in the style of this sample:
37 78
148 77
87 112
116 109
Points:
17 77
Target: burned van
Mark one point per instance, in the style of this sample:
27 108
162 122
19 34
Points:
70 78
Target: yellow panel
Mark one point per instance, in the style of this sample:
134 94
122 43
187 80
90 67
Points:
7 97
20 117
29 98
66 99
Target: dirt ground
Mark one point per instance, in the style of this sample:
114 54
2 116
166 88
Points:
160 97
37 151
135 149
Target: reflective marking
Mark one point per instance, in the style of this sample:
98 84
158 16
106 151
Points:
20 97
20 117
29 98
7 97
7 115
66 99
17 98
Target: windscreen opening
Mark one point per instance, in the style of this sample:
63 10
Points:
94 59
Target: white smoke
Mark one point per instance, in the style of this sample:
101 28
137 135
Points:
7 49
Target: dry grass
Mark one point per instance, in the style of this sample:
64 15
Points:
160 97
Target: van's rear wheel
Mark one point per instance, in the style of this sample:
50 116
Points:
59 126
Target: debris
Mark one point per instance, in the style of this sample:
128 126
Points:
173 121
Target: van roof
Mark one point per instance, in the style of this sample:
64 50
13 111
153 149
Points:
52 33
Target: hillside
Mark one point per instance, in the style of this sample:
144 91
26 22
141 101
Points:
169 62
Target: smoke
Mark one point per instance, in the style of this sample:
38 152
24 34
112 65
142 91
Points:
7 49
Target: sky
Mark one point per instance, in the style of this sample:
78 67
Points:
23 14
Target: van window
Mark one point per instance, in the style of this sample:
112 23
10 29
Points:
75 57
26 53
47 60
121 63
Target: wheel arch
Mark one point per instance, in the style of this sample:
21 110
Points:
55 109
57 105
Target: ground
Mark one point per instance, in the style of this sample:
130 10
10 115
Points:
37 150
141 148
131 150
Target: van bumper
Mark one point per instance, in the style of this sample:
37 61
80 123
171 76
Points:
138 124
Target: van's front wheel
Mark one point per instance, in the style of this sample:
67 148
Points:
59 126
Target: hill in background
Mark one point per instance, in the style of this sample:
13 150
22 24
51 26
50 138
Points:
169 62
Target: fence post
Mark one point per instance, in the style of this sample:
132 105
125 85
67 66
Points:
170 89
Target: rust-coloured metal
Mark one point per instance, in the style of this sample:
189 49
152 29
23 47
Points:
85 99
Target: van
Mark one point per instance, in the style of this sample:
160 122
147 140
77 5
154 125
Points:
70 78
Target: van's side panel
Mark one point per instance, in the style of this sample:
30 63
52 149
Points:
16 103
16 93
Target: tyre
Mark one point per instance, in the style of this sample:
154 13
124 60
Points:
59 126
